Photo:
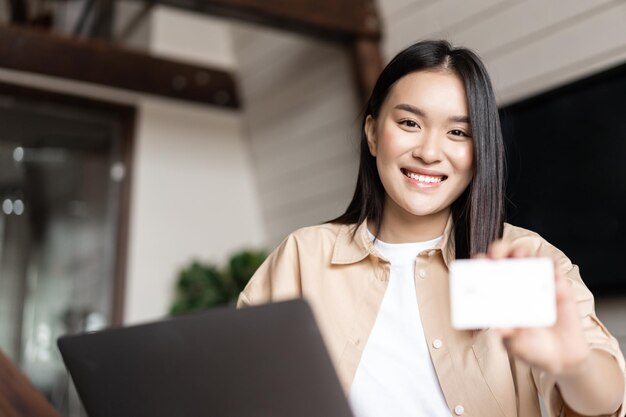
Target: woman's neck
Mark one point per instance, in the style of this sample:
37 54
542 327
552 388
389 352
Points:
399 226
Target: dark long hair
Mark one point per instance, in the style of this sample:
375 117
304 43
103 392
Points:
478 214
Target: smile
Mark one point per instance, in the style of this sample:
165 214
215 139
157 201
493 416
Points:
427 179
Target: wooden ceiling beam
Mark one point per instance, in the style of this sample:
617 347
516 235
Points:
102 63
330 19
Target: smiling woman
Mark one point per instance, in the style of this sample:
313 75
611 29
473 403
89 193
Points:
424 153
430 189
437 91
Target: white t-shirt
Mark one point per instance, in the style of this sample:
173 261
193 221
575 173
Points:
396 376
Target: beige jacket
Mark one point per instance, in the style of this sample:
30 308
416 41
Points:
344 280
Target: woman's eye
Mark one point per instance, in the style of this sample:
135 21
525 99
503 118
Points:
460 133
409 123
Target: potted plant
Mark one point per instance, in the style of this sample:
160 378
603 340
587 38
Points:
201 286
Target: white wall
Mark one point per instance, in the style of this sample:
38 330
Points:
193 192
193 197
300 110
192 37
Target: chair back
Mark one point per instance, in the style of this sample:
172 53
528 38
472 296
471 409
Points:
18 397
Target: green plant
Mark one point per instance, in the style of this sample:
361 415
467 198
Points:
201 286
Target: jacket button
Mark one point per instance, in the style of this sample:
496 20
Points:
437 343
458 410
422 273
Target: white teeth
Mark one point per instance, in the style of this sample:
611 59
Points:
423 178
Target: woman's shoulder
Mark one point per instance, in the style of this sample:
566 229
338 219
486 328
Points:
512 232
519 234
531 240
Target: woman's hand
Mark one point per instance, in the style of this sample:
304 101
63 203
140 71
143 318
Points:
560 349
590 381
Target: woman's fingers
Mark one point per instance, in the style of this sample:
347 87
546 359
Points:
499 249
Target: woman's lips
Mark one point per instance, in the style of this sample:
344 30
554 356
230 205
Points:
422 179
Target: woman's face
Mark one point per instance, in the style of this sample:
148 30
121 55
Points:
422 141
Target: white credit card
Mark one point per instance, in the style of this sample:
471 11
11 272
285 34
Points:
502 293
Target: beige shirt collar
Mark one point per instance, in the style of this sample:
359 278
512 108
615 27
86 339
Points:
351 247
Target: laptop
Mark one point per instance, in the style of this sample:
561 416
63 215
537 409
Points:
260 361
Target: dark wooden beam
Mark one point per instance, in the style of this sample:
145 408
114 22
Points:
17 395
330 19
367 61
102 63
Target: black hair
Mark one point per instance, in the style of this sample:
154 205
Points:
478 214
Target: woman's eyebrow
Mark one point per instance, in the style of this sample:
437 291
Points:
411 109
419 112
460 119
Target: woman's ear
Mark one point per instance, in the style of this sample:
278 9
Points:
370 133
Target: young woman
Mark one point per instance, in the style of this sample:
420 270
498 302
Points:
431 189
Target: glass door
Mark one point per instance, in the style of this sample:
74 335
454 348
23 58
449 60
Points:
63 191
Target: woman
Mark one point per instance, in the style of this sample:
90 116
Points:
431 189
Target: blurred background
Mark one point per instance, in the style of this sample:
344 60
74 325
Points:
140 136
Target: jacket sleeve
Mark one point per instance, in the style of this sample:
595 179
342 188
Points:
596 334
277 279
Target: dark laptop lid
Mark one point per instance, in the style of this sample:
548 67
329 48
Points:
259 361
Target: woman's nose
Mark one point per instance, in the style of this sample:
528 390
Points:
428 149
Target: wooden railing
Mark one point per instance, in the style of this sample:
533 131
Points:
18 397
